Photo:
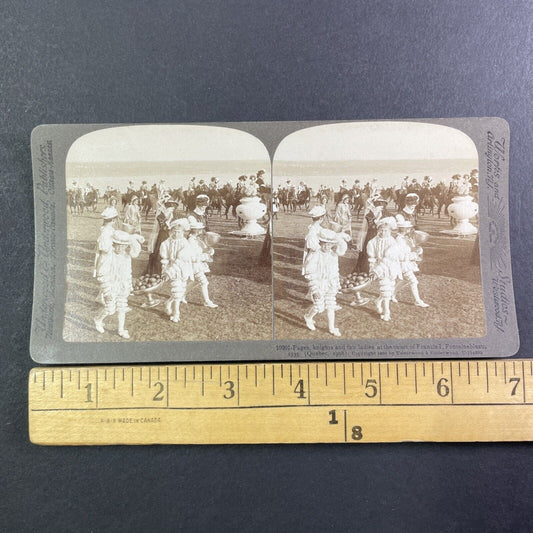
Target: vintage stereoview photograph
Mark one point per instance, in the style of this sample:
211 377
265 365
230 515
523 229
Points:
168 230
375 233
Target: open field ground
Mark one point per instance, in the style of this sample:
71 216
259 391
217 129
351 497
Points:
241 288
448 282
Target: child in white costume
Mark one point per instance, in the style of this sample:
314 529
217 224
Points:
343 215
104 249
312 244
116 279
202 254
384 262
132 216
321 270
411 254
176 265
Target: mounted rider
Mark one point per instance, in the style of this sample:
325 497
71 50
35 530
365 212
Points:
199 214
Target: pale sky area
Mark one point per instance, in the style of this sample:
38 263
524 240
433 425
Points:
166 143
376 141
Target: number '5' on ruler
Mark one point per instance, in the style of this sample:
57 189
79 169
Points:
353 402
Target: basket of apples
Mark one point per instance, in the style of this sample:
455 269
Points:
355 282
147 283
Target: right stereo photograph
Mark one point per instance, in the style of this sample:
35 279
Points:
375 233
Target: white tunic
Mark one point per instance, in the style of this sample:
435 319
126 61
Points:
104 251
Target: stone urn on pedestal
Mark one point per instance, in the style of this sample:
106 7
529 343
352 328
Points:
462 209
250 209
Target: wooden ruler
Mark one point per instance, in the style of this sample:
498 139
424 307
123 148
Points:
349 402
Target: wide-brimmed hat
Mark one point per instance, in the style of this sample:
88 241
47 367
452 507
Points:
202 199
196 225
387 221
134 197
344 197
317 211
402 223
121 237
180 222
109 213
412 197
327 235
379 200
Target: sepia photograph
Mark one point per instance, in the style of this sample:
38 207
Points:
168 230
375 229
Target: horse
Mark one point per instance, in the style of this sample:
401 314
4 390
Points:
77 202
91 200
359 200
215 202
303 199
428 200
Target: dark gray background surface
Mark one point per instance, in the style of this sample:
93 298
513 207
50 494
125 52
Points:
191 61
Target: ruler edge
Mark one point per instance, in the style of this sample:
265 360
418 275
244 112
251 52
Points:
36 370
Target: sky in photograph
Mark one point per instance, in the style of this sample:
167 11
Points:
114 156
365 150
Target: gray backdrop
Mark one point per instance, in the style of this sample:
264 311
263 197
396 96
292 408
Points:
190 61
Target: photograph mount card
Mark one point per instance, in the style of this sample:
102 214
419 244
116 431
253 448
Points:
272 240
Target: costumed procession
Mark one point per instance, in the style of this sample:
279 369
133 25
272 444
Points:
155 251
360 261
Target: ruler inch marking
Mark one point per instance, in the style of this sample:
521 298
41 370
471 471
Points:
487 375
345 427
468 371
61 383
451 381
132 379
379 379
238 386
344 379
523 383
273 381
203 382
416 381
308 386
168 385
